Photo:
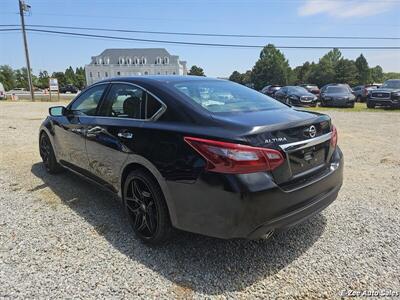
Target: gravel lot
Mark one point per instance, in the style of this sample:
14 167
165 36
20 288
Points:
63 237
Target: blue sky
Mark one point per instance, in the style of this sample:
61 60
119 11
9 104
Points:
275 17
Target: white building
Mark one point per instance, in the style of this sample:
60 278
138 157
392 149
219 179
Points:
133 62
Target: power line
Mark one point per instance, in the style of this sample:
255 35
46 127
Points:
208 44
213 34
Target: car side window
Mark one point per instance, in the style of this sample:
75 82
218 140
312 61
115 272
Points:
88 101
124 101
152 106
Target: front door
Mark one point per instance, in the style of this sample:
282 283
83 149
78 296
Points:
70 130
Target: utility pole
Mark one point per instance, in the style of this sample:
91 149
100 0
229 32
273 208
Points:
22 8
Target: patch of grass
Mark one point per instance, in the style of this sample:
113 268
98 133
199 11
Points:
358 107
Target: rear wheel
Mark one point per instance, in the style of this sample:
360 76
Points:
370 104
146 208
47 155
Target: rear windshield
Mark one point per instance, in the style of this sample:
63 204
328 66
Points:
225 96
391 84
297 89
337 89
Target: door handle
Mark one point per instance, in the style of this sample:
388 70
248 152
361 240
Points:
125 135
77 130
92 132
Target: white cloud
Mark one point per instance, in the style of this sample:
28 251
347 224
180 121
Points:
345 9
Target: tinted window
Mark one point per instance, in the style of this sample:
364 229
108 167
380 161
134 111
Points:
124 101
391 84
225 96
152 106
88 101
299 89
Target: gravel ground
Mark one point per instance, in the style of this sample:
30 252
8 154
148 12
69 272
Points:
63 237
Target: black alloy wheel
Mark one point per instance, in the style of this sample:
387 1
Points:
146 209
47 155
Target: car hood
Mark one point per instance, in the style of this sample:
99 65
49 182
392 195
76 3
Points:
337 95
300 94
385 90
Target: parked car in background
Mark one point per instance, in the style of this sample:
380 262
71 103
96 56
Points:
202 155
312 88
361 91
69 88
387 95
339 95
2 92
296 95
270 90
335 84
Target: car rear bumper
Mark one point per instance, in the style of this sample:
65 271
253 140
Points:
251 205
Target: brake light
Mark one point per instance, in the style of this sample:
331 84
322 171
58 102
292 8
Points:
232 158
334 137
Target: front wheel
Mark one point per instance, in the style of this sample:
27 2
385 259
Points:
47 155
370 104
146 208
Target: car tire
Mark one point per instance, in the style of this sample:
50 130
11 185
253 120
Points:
351 105
145 206
358 99
370 104
47 154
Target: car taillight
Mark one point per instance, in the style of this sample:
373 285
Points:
334 137
232 158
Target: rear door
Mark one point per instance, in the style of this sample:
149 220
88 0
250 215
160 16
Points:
117 131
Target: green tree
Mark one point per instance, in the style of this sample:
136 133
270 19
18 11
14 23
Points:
80 78
377 74
346 72
323 72
7 77
333 56
391 75
21 78
69 76
43 80
60 77
236 77
271 68
197 71
363 70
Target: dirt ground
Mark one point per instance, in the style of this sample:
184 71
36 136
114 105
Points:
63 237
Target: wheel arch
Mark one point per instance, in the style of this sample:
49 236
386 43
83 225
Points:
142 164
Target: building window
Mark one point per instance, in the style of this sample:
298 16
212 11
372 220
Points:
158 73
106 60
146 73
99 61
98 74
128 60
166 60
136 60
106 74
173 73
118 73
158 60
143 60
90 74
166 72
121 61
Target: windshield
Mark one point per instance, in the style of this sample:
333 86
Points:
337 89
225 96
298 89
391 84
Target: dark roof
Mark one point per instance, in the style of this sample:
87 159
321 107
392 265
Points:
160 78
151 54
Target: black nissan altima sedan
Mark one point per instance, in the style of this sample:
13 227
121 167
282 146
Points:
202 155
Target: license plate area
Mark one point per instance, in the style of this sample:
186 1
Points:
307 159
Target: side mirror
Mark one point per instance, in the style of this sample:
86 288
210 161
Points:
57 111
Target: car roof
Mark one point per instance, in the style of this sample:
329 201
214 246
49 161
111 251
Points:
161 78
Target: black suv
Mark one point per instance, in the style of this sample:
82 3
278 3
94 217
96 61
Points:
69 88
198 154
387 95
